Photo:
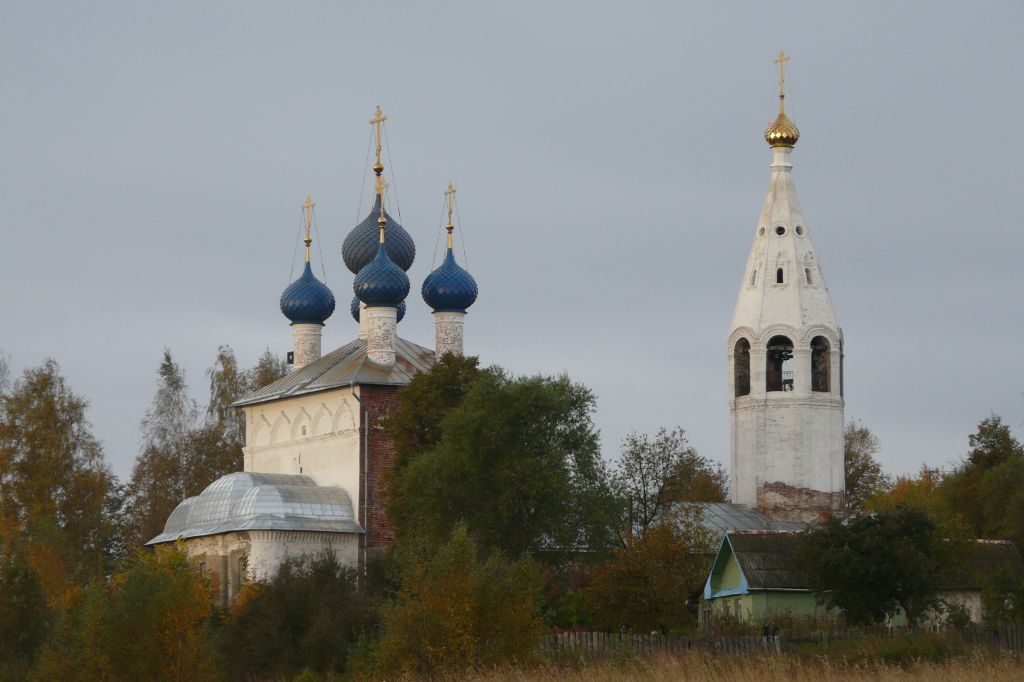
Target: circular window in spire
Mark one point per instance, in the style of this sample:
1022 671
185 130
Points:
800 230
780 230
760 233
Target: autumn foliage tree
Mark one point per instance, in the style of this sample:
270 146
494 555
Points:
655 473
148 623
458 609
644 587
157 482
864 475
54 482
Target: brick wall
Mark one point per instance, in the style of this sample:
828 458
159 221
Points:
783 502
380 401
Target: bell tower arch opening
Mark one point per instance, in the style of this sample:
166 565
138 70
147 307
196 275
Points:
821 365
779 364
741 368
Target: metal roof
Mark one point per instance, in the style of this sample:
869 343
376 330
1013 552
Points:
766 559
722 517
254 501
344 366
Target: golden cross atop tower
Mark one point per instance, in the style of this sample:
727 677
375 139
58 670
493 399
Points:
781 61
307 207
378 120
449 196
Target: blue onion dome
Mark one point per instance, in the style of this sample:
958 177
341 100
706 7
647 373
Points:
307 300
360 246
450 288
354 309
381 283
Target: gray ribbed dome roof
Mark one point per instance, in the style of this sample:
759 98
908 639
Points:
253 501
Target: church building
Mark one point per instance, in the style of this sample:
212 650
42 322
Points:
315 453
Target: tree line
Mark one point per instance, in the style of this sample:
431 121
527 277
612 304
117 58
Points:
509 522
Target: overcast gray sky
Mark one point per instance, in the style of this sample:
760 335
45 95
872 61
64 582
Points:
610 168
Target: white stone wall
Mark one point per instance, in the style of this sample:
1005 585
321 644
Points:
316 435
362 320
307 343
448 332
269 548
380 329
258 553
790 437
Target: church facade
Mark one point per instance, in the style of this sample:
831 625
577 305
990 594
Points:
315 454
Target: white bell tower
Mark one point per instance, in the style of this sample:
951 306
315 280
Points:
785 354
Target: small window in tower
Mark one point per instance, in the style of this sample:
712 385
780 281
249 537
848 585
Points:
780 230
780 276
779 366
821 365
741 368
800 230
760 233
753 277
807 274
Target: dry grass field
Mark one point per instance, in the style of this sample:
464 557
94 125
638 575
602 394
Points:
704 668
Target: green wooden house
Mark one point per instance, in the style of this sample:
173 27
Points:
753 579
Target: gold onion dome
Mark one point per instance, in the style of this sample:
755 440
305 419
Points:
782 132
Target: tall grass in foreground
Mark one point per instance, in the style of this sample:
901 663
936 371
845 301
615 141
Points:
705 668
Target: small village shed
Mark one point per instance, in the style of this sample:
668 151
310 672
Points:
754 578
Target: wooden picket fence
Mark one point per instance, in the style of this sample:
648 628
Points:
601 644
1007 638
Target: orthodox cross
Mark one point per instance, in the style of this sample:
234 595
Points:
449 196
781 61
377 120
307 207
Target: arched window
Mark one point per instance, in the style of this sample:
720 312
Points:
807 273
741 368
779 276
753 277
821 365
779 366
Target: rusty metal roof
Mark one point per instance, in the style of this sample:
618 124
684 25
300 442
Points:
344 366
766 559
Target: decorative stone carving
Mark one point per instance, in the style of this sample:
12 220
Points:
307 343
448 333
380 334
